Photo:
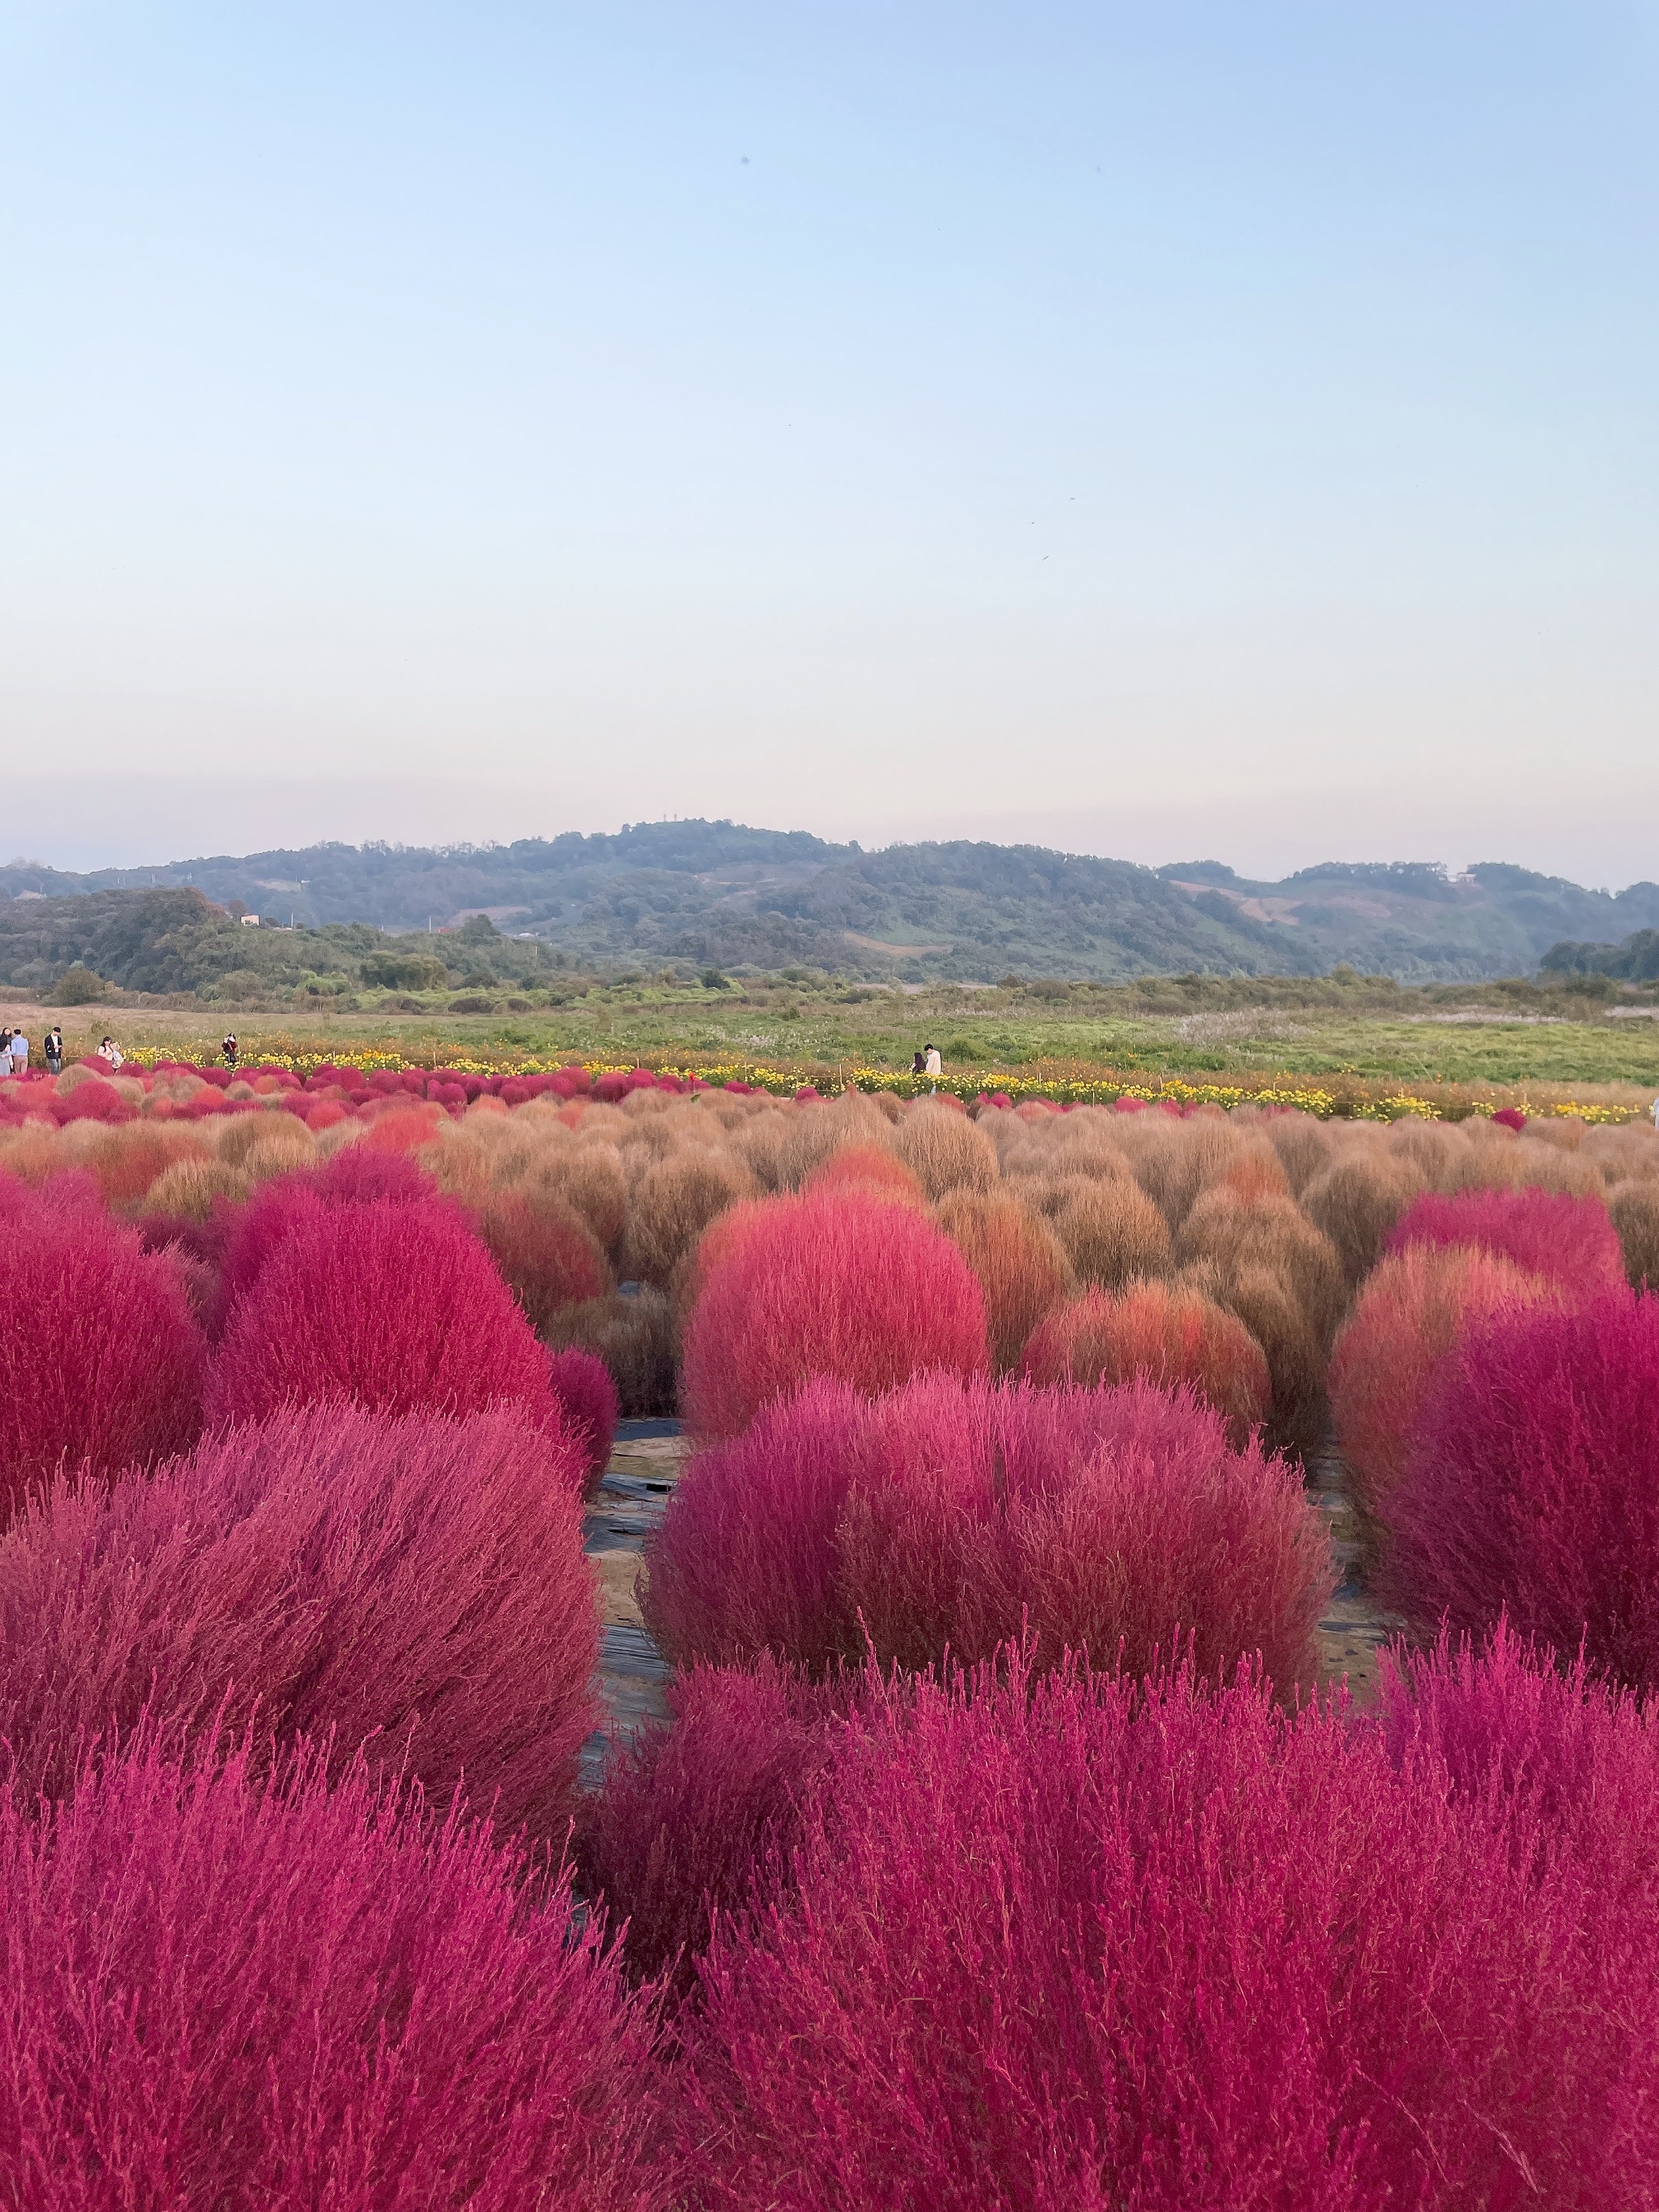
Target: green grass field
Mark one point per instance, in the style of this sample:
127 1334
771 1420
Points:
839 1030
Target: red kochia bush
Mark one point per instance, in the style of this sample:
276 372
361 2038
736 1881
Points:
396 1307
945 1516
100 1360
837 1283
354 1176
689 1808
744 1559
1180 1952
1533 1486
1171 1336
416 1579
588 1408
220 1991
1567 1240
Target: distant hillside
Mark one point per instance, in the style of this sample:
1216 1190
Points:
715 893
173 943
1635 961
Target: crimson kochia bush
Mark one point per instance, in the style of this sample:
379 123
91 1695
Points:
220 1991
1181 1950
416 1582
953 1516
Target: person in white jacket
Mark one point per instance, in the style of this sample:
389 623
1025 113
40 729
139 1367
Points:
933 1067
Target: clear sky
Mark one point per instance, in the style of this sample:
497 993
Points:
1167 431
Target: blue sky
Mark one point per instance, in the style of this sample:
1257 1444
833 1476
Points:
1166 432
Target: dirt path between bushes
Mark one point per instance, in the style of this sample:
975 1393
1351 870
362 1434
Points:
647 1462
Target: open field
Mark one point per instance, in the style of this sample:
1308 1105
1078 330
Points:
1603 1058
315 1384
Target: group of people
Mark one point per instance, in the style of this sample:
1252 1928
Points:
927 1062
14 1052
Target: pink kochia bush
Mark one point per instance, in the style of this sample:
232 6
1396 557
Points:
354 1176
839 1283
1569 1241
395 1306
692 1807
220 1991
1533 1486
1071 1943
100 1357
588 1408
414 1581
944 1516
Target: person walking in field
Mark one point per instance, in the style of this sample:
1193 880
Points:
20 1053
918 1065
935 1067
54 1051
228 1047
1656 1113
5 1051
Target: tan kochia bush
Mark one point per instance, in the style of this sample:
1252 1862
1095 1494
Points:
189 1188
637 1341
1634 1207
266 1144
1434 1150
1270 1309
945 1151
1112 1233
1022 1269
1233 1232
812 1133
759 1145
674 1201
1357 1200
1304 1148
588 1177
1173 1164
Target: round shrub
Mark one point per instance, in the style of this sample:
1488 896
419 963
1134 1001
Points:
1357 1200
219 1991
744 1560
1112 1233
944 1149
1566 1240
1116 1522
838 1284
1406 1318
547 1254
1170 1335
100 1359
675 1201
1175 1950
588 1408
418 1581
952 1517
871 1168
1020 1266
399 1307
1532 1486
691 1807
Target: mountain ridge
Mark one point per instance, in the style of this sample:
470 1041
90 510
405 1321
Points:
724 894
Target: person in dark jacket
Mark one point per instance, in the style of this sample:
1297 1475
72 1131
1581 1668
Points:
228 1049
54 1052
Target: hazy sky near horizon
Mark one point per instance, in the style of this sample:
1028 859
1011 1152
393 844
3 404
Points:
1175 432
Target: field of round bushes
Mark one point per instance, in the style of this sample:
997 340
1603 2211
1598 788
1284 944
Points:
1006 1845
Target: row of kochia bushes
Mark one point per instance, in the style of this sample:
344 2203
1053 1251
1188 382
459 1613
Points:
299 1640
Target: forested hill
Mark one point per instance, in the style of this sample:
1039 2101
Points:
718 893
